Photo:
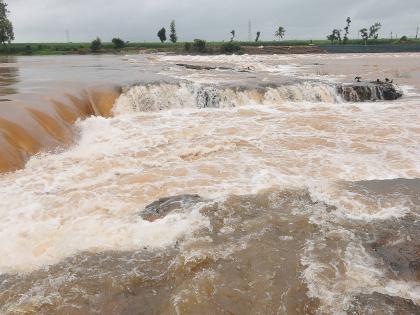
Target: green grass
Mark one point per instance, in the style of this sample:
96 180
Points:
84 48
78 48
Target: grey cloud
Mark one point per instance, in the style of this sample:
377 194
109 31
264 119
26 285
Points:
139 20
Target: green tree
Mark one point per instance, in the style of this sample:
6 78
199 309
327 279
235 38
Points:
364 34
280 32
347 30
374 29
96 45
173 37
258 37
118 43
162 34
6 27
233 35
335 35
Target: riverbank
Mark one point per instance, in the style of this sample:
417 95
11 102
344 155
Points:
268 47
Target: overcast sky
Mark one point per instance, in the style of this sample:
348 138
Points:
139 20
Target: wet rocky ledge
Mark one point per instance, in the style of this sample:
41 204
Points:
359 91
369 91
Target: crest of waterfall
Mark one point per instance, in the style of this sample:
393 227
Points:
155 97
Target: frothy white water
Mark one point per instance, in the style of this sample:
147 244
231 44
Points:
89 197
157 97
171 139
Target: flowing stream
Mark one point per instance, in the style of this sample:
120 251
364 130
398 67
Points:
281 197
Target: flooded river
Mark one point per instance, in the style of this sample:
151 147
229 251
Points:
151 185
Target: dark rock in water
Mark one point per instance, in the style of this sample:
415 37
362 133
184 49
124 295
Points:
394 242
200 67
382 304
160 208
397 243
369 91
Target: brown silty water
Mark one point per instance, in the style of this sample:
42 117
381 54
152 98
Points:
136 186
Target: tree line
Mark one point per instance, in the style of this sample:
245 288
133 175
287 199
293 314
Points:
365 33
161 34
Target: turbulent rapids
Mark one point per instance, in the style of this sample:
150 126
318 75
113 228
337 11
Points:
50 125
283 189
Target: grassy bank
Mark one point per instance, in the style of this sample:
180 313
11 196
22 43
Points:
212 47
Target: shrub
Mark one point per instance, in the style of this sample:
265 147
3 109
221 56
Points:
404 39
96 45
199 45
230 48
187 46
118 43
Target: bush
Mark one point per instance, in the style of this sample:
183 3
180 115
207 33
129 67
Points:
230 48
118 43
96 45
404 39
187 46
199 45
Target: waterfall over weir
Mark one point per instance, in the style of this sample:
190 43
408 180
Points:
44 123
48 126
156 97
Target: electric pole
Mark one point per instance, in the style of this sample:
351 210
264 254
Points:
249 31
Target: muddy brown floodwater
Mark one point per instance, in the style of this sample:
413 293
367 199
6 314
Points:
236 185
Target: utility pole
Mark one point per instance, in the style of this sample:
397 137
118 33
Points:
249 31
68 36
